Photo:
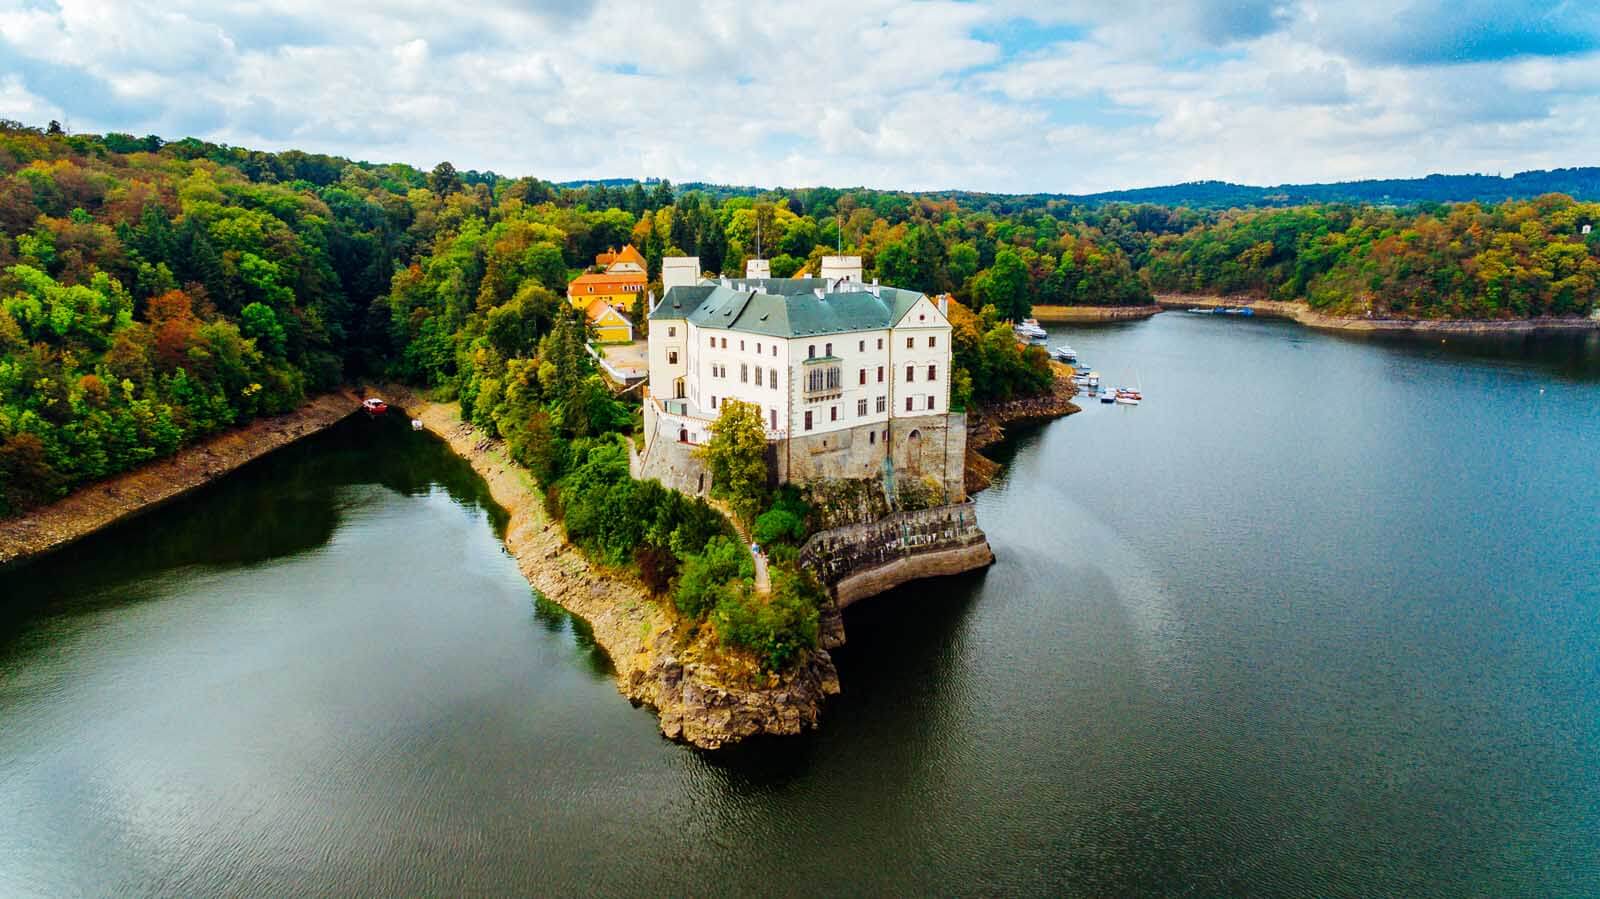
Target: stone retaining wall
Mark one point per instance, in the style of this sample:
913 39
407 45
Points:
866 559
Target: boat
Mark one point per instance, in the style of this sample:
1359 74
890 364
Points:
1039 340
1109 396
1065 353
1127 396
1199 310
1094 379
1030 328
374 406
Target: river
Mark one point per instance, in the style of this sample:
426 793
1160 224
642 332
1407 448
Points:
1321 616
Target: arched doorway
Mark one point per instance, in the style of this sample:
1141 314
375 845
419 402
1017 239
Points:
914 451
683 435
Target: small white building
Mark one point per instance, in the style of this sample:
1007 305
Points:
853 379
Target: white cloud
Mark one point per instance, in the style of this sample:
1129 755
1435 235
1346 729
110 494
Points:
889 94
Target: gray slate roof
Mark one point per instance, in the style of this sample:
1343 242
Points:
785 307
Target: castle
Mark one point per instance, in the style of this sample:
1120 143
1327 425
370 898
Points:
852 379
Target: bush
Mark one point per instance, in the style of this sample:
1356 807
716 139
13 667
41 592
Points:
775 525
657 567
777 629
703 576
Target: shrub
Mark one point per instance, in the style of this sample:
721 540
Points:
777 628
657 566
704 575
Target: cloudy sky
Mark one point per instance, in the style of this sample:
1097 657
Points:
990 96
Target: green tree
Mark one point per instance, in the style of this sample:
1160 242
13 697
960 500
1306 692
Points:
1005 286
737 457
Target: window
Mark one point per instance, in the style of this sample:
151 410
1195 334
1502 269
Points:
758 376
883 404
741 346
861 408
774 349
880 343
773 379
872 437
672 357
933 373
911 373
823 379
744 373
713 342
714 402
880 374
909 342
772 416
827 349
863 376
932 341
672 332
930 402
861 346
811 351
758 349
724 343
833 413
808 419
908 404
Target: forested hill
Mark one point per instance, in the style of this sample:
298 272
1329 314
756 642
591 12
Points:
1578 183
153 292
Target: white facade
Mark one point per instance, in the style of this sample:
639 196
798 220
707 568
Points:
824 382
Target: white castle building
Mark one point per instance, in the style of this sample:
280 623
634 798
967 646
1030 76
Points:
852 379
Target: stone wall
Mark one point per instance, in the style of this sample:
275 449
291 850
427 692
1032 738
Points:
673 463
863 560
932 446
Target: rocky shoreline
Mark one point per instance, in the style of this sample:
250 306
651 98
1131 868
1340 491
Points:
1301 312
986 425
1070 314
99 505
697 699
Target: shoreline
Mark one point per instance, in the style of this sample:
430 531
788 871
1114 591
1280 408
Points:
987 426
1300 312
96 506
1071 314
655 665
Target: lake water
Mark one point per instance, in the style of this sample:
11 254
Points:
1322 616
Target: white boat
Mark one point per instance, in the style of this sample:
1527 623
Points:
1065 353
1127 396
1030 328
1109 396
1094 379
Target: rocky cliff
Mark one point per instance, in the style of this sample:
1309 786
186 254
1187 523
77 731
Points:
701 698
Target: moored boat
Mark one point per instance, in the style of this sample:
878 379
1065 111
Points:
1030 328
1128 396
1065 353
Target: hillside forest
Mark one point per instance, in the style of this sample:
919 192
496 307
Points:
154 292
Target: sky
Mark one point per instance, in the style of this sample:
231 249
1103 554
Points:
1068 96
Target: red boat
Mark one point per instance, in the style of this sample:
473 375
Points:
374 406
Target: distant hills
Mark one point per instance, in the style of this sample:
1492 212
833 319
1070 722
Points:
1579 183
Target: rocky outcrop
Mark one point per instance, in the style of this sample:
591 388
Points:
125 495
986 423
702 698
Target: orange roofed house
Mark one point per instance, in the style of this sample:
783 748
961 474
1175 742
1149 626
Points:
610 326
621 283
